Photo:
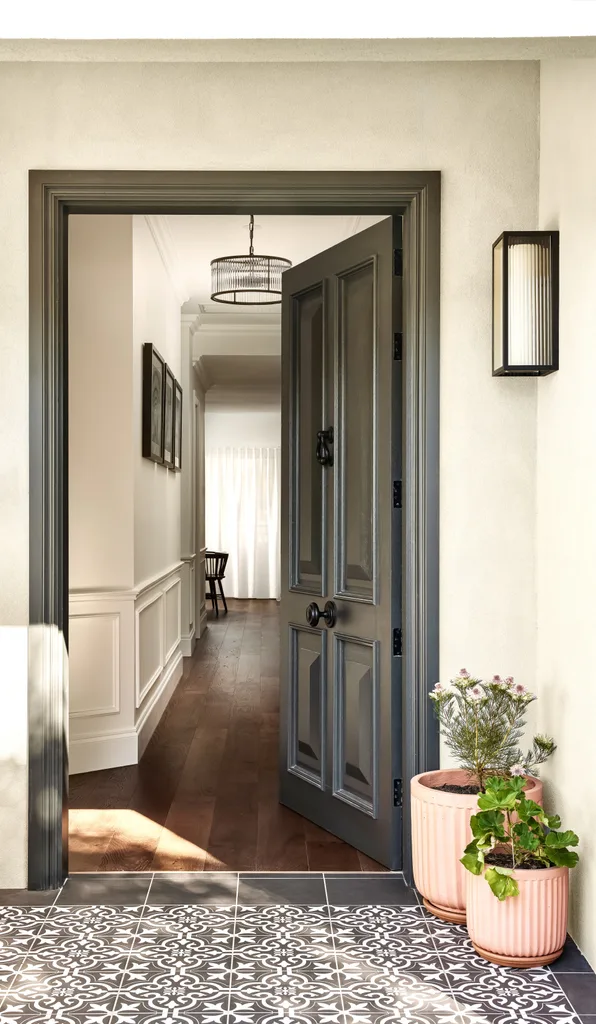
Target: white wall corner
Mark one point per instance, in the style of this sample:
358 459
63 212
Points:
164 243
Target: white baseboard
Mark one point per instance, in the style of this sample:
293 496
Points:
156 706
95 753
203 619
187 645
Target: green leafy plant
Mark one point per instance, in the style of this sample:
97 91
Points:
483 723
510 825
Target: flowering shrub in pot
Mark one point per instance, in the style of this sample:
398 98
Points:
482 723
518 882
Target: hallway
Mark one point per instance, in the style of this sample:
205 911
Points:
204 795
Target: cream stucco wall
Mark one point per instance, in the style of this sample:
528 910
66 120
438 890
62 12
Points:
475 122
566 540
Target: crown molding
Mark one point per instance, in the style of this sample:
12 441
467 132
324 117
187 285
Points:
316 51
203 375
164 243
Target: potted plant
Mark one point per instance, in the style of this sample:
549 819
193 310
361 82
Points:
518 919
482 724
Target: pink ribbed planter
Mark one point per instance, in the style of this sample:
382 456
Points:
440 833
528 930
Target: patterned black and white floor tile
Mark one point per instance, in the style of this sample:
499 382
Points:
164 960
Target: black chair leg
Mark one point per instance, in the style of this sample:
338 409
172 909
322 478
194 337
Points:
223 596
214 598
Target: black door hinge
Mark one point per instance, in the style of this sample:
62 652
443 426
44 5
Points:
397 793
398 262
397 346
397 493
397 643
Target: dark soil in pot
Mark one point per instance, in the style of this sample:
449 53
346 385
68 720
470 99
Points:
503 859
466 790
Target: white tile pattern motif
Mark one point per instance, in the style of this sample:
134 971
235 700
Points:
274 963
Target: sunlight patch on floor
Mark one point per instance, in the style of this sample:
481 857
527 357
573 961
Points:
96 834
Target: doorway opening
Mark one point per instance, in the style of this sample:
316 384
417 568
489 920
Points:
197 787
412 197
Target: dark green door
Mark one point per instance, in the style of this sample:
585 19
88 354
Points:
341 541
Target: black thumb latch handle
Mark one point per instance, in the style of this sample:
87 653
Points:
324 439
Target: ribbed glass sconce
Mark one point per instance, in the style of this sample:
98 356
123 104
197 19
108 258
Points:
526 303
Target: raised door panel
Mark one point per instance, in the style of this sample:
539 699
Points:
356 397
306 747
307 556
356 727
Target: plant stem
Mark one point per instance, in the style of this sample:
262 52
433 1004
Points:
479 768
510 828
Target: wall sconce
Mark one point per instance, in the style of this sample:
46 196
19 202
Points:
526 303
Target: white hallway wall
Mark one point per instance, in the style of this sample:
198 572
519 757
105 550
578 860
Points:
566 539
476 122
125 569
242 425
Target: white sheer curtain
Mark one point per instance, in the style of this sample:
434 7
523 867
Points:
242 517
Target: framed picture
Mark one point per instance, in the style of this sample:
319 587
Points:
153 388
168 418
177 426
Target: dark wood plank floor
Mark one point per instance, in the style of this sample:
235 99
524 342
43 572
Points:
204 795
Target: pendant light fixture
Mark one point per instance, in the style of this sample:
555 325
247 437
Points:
249 280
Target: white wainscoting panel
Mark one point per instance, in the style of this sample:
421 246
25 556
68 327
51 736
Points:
192 599
101 681
149 661
125 663
173 617
188 629
94 648
158 614
200 594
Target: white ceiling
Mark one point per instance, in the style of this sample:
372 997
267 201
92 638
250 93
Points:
194 241
230 342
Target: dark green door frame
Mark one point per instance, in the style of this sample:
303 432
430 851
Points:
53 195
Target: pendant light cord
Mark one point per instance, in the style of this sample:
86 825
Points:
251 230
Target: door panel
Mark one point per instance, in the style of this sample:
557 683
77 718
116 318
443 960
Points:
341 683
356 701
307 705
307 356
356 417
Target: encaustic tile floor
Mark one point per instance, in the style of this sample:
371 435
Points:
261 949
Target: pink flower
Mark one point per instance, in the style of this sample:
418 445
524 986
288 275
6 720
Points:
497 679
476 693
510 680
519 689
518 769
438 688
463 673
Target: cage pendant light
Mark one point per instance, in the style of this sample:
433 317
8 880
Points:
249 280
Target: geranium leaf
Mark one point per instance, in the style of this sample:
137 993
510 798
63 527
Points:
472 863
560 839
561 857
502 885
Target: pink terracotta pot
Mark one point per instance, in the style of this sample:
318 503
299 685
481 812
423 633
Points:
440 833
528 930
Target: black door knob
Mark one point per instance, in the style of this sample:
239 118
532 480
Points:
314 613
